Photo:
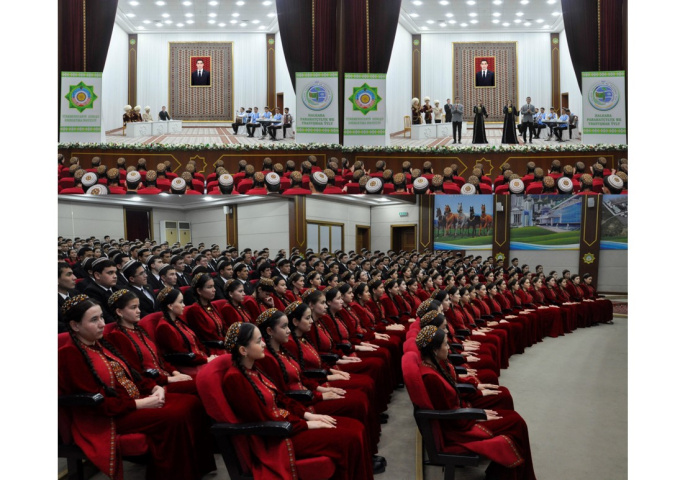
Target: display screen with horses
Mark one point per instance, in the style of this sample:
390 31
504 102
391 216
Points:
463 222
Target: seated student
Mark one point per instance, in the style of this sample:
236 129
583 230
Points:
241 119
275 125
104 279
168 276
265 118
253 122
137 283
613 184
318 182
154 265
539 125
113 182
175 425
224 274
202 316
272 183
66 289
296 187
258 185
128 336
149 187
597 177
551 117
341 439
561 125
287 121
331 188
502 437
173 335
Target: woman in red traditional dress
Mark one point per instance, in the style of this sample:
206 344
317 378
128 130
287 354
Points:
128 336
513 306
392 310
204 318
255 398
174 335
606 308
175 425
295 286
515 340
286 373
425 288
314 280
502 437
499 337
279 296
411 286
261 299
234 311
544 308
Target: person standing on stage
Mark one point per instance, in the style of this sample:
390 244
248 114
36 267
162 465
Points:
415 111
479 135
448 111
163 114
457 111
510 113
527 112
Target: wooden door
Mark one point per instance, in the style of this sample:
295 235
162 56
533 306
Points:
137 224
403 237
363 238
565 102
280 102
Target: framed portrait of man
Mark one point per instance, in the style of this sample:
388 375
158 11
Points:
485 68
200 71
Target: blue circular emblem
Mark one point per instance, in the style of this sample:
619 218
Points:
80 97
604 96
317 96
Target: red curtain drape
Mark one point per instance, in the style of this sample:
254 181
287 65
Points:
100 17
611 32
581 31
384 15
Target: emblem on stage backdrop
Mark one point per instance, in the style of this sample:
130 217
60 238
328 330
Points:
500 257
81 96
365 98
588 258
317 96
604 96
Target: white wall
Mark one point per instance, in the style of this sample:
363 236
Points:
79 220
398 82
263 225
383 217
613 271
349 215
282 77
249 67
208 225
533 64
569 82
551 260
170 214
115 81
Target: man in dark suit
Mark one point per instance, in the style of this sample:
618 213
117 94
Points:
200 77
137 284
163 114
105 278
448 111
66 289
154 264
240 272
179 265
485 77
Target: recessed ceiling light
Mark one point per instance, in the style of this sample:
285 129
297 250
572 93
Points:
240 4
213 15
134 4
506 24
189 15
451 21
547 26
222 24
463 25
449 15
165 15
496 14
147 22
524 2
180 24
159 25
474 21
424 28
555 14
551 2
417 3
234 15
130 15
497 2
414 15
212 21
168 22
233 22
243 24
160 3
140 27
190 22
271 14
519 14
214 3
539 20
471 2
443 24
495 20
187 4
430 22
527 24
473 14
256 22
517 20
444 2
261 27
267 3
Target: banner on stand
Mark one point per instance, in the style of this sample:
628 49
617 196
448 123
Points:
364 109
604 107
80 107
317 111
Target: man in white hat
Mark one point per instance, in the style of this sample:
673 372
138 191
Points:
146 116
136 117
126 116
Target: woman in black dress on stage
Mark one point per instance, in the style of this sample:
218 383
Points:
510 112
479 128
